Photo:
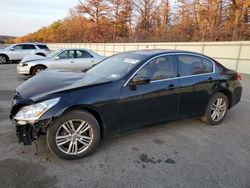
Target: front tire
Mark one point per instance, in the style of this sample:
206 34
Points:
74 135
216 109
4 59
37 69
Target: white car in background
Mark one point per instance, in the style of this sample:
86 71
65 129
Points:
74 59
17 52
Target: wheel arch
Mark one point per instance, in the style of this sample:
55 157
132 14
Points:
226 92
229 96
41 54
88 109
3 54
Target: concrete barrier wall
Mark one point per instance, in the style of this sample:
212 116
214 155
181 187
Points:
234 55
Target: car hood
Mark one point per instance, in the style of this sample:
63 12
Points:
53 81
29 58
4 50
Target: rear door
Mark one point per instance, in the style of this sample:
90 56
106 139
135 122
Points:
197 79
84 59
66 60
28 49
151 103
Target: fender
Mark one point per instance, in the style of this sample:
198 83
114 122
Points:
5 55
93 111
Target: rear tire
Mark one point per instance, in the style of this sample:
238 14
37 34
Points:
76 142
37 69
216 109
4 59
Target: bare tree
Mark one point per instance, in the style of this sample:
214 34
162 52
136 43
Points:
116 7
95 9
146 10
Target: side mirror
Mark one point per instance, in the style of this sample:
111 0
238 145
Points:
139 81
85 70
11 49
56 58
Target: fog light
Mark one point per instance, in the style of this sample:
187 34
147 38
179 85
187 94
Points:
21 122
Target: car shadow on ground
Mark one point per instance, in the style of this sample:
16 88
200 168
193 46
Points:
153 132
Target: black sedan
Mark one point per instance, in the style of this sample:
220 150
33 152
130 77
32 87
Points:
123 92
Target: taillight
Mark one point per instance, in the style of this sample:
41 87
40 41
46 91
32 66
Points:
238 77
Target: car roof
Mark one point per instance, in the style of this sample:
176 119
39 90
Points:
34 43
155 52
74 49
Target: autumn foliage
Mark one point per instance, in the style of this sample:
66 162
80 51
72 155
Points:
149 21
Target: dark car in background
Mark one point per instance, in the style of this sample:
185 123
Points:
125 91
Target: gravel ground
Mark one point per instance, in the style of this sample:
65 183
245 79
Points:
185 153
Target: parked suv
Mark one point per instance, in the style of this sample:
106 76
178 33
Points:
16 52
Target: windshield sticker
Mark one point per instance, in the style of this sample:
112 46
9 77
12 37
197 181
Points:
132 61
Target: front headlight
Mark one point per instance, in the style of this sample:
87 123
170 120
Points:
23 64
33 112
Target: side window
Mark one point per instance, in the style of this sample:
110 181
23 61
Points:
68 54
18 47
42 46
29 47
71 54
83 54
189 65
160 68
207 65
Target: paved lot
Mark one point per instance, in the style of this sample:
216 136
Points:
186 153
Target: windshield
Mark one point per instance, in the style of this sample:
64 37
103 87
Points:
53 54
117 66
9 47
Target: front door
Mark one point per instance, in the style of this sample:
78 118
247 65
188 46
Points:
66 60
17 52
154 102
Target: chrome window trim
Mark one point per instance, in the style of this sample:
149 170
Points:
182 77
175 53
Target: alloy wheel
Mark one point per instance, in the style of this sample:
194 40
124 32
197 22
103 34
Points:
38 70
74 137
218 109
3 60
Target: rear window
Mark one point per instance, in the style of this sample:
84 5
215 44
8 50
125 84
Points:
207 65
189 65
192 65
83 54
42 46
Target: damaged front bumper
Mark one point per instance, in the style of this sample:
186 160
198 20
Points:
27 133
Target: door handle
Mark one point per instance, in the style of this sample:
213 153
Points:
210 79
71 61
171 86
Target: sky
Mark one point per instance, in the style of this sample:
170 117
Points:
20 17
